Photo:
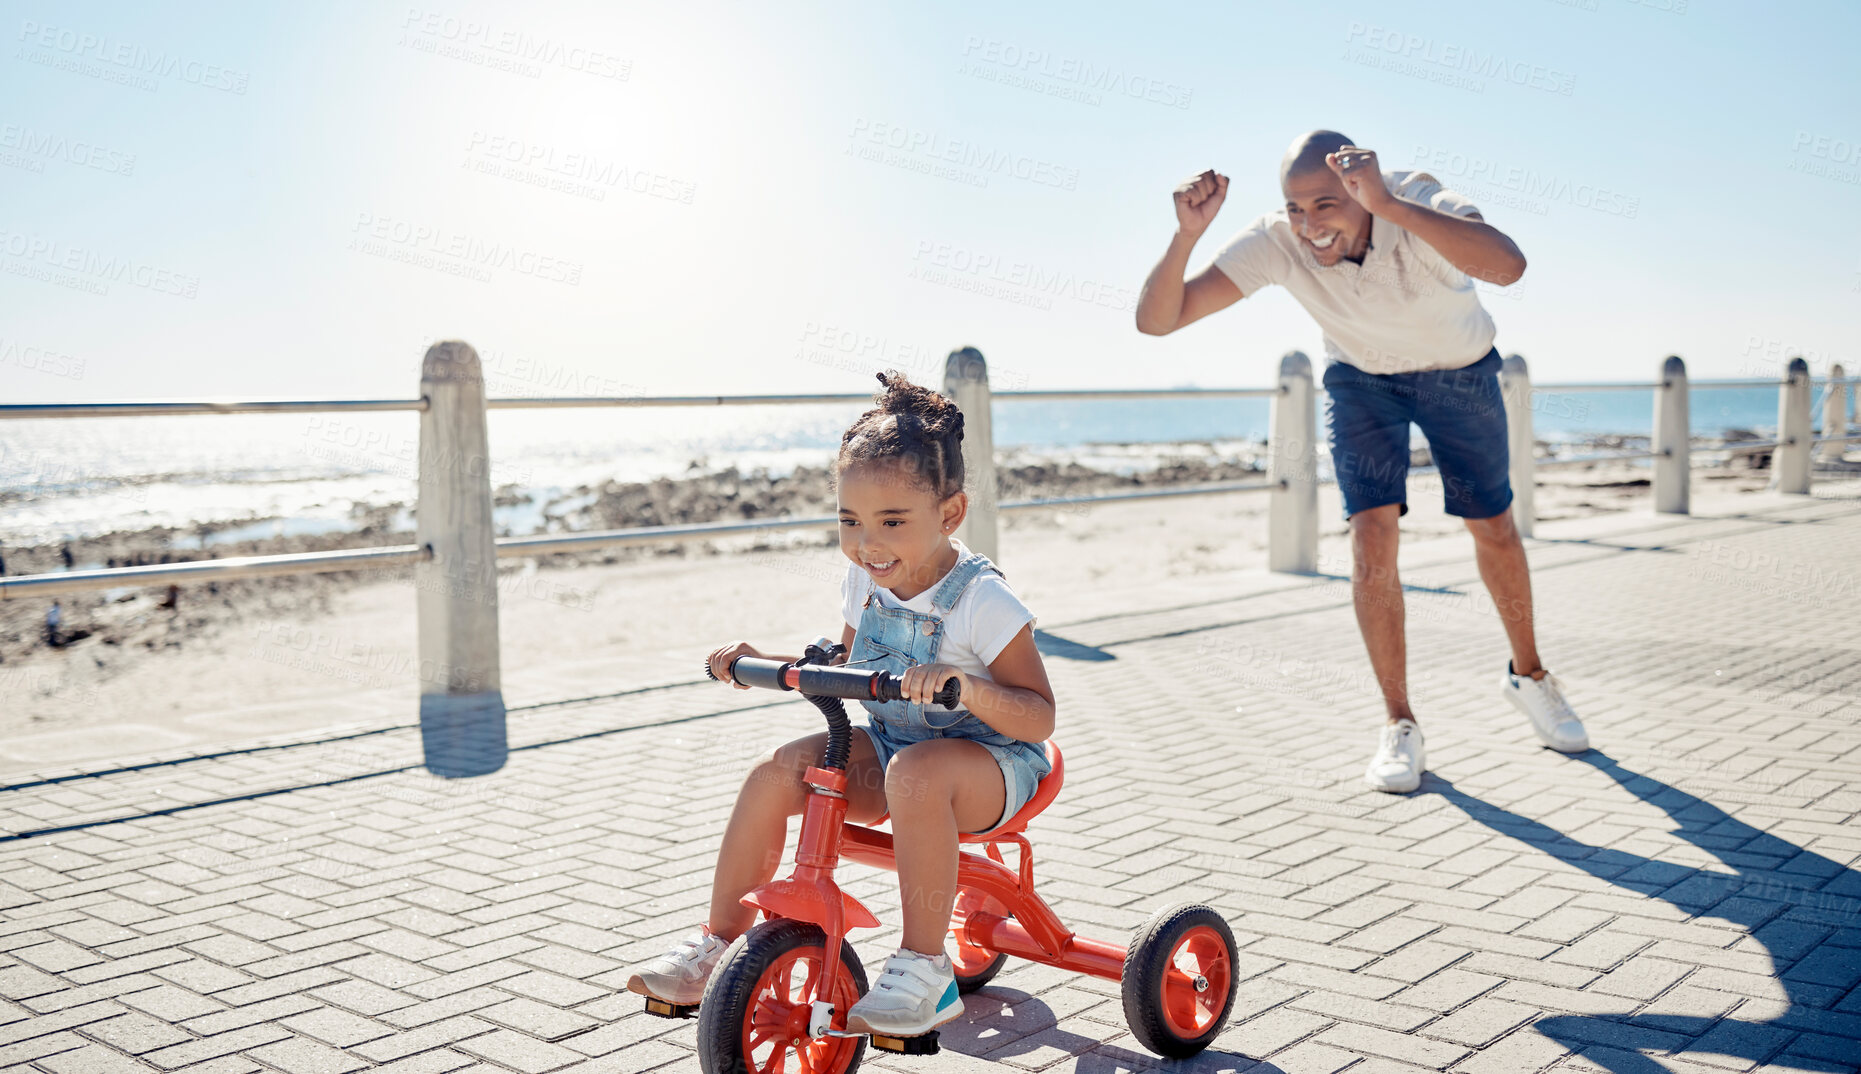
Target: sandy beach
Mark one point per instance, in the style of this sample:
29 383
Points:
248 659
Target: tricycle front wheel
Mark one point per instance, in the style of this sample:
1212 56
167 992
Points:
1179 980
754 1017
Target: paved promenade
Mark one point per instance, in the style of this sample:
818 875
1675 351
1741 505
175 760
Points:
1685 897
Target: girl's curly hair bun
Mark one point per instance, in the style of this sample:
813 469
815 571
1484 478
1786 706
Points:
911 424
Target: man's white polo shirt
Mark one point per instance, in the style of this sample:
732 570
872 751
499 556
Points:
1406 308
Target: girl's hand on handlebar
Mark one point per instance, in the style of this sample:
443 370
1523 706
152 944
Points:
723 658
921 683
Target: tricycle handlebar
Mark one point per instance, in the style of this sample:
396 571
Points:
823 681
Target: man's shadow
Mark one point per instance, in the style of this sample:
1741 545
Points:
1815 956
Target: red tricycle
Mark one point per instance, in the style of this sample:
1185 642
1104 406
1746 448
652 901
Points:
775 994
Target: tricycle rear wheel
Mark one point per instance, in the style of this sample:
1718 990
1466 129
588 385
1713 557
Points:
1179 980
755 1006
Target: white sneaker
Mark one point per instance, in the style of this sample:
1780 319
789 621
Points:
678 976
914 995
1542 702
1400 759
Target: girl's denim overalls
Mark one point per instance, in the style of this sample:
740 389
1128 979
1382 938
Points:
893 639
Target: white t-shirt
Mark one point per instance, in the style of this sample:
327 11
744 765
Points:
1405 309
986 618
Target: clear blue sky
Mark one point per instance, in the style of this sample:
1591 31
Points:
1682 181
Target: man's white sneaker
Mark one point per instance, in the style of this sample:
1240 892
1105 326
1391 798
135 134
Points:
1552 718
1400 760
914 995
678 976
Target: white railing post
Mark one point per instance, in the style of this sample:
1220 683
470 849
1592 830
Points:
1835 412
1292 462
1515 388
966 383
462 727
1673 467
1790 463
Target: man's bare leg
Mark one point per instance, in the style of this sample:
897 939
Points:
1376 591
1501 555
1503 567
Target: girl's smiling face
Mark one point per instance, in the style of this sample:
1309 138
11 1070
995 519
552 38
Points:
896 528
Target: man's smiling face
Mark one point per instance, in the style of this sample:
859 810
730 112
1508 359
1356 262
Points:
1328 221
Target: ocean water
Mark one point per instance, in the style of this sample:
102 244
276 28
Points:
310 473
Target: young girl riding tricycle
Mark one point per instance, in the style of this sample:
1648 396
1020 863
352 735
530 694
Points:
928 625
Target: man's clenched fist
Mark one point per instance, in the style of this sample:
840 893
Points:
1198 200
1362 176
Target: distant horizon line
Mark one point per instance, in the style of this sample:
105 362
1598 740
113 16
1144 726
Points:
220 403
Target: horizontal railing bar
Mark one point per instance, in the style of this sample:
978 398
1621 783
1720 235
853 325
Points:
1834 439
1754 382
1606 386
1143 494
1133 393
1029 395
341 559
572 542
45 585
1746 447
299 406
538 402
159 409
1625 456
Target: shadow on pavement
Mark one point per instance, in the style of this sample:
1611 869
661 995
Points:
998 1011
1052 645
1815 957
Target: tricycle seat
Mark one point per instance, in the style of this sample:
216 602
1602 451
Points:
1044 793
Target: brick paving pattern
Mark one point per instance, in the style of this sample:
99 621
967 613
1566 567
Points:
1683 898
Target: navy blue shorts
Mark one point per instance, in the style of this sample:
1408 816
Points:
1460 411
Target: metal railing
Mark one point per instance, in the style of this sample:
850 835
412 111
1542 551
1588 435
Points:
455 550
158 409
965 368
983 536
203 570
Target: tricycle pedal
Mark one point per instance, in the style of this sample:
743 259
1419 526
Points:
665 1009
921 1045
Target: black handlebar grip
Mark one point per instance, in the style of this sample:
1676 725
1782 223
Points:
708 673
891 688
824 681
756 671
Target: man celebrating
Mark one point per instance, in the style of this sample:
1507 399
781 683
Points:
1385 264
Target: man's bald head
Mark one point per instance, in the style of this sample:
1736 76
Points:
1307 153
1330 223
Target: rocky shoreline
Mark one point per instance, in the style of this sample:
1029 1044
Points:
120 621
